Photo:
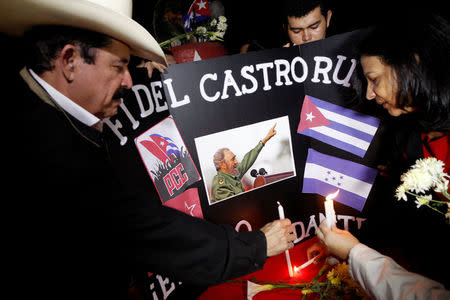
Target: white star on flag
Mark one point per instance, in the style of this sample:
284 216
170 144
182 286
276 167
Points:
310 117
201 5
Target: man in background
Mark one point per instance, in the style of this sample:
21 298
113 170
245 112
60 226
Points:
305 21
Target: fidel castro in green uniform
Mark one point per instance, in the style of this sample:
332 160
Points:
227 181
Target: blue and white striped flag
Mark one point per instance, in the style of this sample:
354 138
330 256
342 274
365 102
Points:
324 174
346 129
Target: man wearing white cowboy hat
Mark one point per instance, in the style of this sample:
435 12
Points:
77 231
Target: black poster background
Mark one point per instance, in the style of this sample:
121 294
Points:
200 117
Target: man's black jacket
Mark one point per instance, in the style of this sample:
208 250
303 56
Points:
75 232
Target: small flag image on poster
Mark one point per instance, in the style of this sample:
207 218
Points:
337 126
167 160
324 173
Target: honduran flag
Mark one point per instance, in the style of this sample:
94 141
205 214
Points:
337 126
198 11
324 174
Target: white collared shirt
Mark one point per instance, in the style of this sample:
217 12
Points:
65 103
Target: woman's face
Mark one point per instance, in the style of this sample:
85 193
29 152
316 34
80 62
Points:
381 85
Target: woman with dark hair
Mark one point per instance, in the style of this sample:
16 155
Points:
407 71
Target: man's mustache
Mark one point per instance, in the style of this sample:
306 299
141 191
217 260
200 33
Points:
120 93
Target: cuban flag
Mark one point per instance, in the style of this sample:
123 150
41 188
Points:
337 126
324 174
161 147
166 144
198 11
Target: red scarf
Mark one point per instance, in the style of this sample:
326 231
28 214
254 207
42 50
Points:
438 148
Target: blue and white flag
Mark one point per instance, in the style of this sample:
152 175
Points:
346 129
324 174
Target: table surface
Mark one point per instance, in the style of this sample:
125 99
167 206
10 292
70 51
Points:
275 269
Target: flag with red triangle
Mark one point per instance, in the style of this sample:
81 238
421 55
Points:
337 126
310 116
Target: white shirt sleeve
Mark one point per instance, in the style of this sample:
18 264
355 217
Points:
382 278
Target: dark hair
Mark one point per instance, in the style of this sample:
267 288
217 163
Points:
418 51
300 8
44 43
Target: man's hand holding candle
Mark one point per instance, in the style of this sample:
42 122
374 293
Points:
279 235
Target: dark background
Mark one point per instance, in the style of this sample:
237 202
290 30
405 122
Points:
260 20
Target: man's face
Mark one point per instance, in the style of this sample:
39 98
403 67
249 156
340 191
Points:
99 87
229 164
309 28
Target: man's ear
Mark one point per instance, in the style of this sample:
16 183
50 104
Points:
67 60
222 165
329 14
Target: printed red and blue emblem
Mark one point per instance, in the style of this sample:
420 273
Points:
168 162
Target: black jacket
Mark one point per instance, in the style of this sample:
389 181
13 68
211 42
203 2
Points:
76 232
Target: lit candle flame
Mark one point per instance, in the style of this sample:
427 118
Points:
332 196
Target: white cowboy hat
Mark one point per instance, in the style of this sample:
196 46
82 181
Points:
110 17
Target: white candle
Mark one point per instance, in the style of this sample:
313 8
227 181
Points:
281 211
288 257
329 209
305 264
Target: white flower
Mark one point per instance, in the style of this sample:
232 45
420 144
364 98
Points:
253 289
442 186
431 165
400 193
417 180
423 200
213 22
201 30
222 19
222 26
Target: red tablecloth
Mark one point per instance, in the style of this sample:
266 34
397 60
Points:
274 270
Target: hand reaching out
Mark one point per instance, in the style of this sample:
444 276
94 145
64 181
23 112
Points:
279 235
318 251
270 134
150 66
339 242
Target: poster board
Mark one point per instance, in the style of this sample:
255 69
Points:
235 100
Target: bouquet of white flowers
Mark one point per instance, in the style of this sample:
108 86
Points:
211 30
427 174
